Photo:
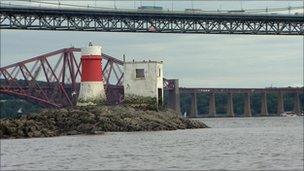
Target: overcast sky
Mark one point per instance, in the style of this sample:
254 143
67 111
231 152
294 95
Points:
196 60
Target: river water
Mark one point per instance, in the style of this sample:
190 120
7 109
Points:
265 143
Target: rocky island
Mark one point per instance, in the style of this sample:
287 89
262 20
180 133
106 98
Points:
93 120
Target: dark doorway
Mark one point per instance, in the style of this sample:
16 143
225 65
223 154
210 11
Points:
160 97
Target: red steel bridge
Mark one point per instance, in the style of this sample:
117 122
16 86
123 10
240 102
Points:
101 20
52 80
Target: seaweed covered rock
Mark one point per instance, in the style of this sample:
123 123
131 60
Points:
93 120
141 102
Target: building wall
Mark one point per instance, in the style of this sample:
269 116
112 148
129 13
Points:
160 79
147 86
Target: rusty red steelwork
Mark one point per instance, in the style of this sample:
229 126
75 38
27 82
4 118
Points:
58 84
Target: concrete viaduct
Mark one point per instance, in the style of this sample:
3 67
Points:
174 92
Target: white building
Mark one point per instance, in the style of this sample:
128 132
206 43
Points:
144 78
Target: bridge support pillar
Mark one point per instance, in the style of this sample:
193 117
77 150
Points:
230 111
264 108
193 113
296 103
174 97
212 108
247 106
280 109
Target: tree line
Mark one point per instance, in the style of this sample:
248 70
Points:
10 106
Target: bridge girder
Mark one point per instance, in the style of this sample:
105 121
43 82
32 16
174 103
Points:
52 79
163 22
243 90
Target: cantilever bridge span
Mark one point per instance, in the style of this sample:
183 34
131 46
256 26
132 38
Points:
34 18
52 80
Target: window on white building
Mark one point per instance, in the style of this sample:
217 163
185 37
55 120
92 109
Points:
140 73
159 72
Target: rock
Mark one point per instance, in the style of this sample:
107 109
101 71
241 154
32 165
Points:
72 132
93 120
99 132
34 134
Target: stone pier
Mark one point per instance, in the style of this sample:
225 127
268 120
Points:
193 112
212 109
296 104
280 107
247 105
264 108
174 97
230 111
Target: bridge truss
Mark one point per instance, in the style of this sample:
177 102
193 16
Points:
153 22
52 79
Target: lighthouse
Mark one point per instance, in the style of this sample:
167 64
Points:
91 86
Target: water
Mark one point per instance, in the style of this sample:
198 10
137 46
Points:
234 143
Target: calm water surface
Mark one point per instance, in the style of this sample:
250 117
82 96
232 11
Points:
274 143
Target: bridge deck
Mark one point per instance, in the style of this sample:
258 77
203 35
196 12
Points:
143 13
149 21
243 90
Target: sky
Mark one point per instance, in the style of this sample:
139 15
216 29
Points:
167 4
232 61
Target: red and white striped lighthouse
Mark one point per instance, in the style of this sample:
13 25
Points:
91 87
